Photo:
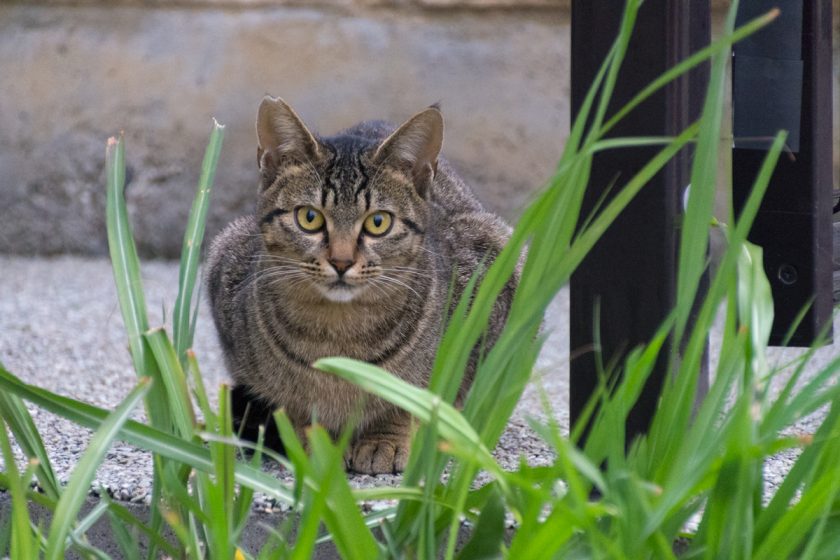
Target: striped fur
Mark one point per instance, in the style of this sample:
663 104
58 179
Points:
273 291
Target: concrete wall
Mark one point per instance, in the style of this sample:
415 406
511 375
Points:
72 76
77 71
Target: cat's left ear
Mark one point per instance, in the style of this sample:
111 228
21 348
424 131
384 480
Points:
281 135
414 147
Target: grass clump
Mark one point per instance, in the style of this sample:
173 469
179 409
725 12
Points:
601 499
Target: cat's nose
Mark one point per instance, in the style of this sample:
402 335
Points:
341 265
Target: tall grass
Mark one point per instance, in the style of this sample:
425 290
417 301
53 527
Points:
598 500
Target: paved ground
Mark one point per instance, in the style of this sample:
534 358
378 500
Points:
60 328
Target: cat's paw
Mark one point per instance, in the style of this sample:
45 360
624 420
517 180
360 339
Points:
378 454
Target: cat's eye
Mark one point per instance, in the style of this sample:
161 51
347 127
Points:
378 224
309 219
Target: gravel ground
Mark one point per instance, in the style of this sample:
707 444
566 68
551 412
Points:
60 328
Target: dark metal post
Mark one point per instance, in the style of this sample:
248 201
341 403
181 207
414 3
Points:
782 80
631 273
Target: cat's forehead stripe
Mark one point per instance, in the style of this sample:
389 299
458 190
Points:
345 178
363 183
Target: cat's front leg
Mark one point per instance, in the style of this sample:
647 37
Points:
382 448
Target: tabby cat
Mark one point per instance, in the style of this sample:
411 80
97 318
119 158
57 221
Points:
352 251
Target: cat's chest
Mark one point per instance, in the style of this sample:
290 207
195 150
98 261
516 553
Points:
310 333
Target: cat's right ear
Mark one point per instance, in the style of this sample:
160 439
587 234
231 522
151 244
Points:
282 136
414 147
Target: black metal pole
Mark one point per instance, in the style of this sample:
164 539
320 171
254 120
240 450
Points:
631 272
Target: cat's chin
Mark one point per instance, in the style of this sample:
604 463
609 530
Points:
340 294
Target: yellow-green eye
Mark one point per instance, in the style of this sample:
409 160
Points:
378 224
309 219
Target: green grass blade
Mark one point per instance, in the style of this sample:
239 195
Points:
587 239
755 309
126 265
23 543
625 31
79 485
314 506
487 537
730 511
669 428
245 498
175 381
77 535
33 495
17 417
124 256
550 223
312 502
182 326
126 540
427 545
791 529
89 552
719 45
802 474
812 395
294 450
141 435
220 494
532 298
548 538
125 518
605 441
694 236
419 402
670 424
352 537
189 546
199 390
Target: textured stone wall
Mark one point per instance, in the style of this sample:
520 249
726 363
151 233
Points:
74 75
77 71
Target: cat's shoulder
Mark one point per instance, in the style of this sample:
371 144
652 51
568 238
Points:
478 232
236 233
235 244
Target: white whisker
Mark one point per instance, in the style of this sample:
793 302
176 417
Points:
393 280
415 272
421 247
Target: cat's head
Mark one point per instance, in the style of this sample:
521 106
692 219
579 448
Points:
345 216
